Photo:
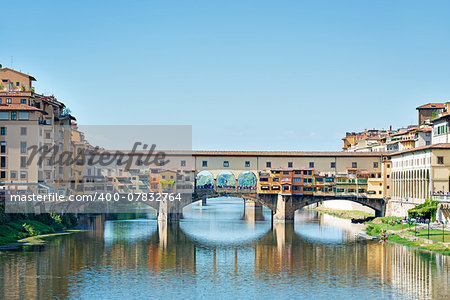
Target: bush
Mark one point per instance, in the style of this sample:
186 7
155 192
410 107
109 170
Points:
425 210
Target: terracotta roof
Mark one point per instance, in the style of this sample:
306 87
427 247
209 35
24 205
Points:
31 77
15 94
433 146
431 105
425 129
16 106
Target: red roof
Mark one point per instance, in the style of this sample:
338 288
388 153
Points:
431 106
432 146
16 106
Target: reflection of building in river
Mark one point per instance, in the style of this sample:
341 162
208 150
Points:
411 272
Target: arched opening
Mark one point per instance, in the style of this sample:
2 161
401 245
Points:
225 180
247 181
204 180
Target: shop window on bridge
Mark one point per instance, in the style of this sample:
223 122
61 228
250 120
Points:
275 188
205 163
285 173
265 187
297 188
276 179
247 164
329 179
297 172
264 179
268 164
226 164
286 188
361 190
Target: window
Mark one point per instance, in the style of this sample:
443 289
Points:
23 161
23 131
17 83
311 164
290 164
354 164
388 166
298 172
204 163
23 101
247 164
264 179
387 176
13 175
275 179
440 160
268 164
375 164
3 131
47 135
333 165
2 174
24 115
23 175
3 162
427 143
8 100
13 115
3 147
4 115
285 173
183 163
226 164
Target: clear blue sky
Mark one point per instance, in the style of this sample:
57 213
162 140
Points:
247 75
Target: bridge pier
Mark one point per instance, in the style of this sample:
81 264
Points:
284 211
169 211
203 202
253 211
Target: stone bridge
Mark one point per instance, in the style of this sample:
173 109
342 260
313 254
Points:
282 206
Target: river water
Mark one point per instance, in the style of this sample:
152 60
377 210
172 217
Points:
221 251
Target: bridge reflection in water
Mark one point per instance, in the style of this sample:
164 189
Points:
231 254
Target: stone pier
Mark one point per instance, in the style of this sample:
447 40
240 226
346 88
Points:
284 211
253 211
169 211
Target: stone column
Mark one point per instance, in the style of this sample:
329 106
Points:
284 209
253 211
169 211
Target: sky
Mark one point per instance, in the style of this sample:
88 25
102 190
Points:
247 75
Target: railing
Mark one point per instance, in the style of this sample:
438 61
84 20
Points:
441 197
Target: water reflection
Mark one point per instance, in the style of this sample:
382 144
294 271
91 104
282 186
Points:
217 252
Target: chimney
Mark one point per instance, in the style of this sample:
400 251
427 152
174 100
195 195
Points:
390 127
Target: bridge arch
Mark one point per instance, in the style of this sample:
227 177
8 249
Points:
247 180
225 179
204 179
